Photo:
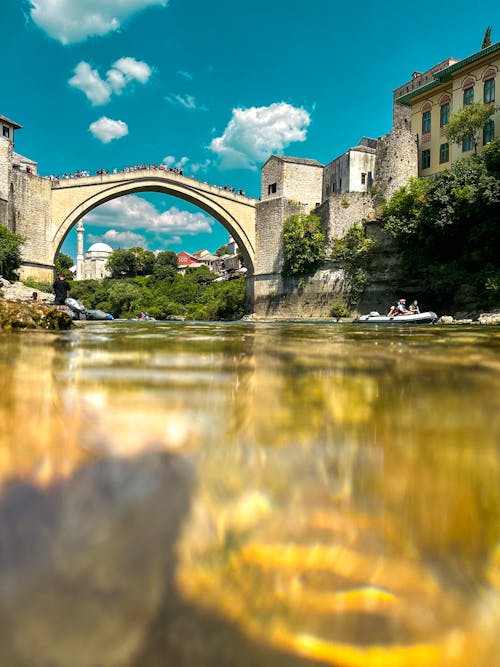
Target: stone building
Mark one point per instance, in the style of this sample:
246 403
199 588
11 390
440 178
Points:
426 103
352 171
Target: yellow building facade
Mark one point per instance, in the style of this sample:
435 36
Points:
440 92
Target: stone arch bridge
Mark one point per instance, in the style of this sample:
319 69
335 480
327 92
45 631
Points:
71 199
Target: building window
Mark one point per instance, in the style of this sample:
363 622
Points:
468 96
271 189
6 131
467 144
489 91
488 132
426 158
370 180
444 114
444 153
426 121
363 179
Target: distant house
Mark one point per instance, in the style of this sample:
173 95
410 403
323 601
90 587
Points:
186 260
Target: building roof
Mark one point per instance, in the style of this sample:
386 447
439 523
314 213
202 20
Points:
8 121
295 160
20 158
100 247
446 74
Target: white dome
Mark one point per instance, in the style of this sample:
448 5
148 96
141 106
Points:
100 247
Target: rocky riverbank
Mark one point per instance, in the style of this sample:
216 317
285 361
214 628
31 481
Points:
19 311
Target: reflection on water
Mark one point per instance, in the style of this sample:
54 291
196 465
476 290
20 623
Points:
250 495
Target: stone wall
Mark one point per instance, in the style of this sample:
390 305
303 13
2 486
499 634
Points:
269 219
293 298
397 161
293 179
30 198
340 212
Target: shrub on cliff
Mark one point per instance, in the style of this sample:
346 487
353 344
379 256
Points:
304 245
10 253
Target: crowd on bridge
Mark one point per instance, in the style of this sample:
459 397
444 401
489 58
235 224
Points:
139 167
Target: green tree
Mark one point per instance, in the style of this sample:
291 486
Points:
144 261
122 263
10 253
304 245
63 263
221 251
446 231
468 123
490 155
165 265
486 38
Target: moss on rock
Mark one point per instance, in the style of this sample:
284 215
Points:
19 315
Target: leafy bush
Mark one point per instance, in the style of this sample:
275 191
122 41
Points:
304 245
352 252
339 310
38 285
10 253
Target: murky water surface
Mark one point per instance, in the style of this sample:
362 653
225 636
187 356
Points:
241 494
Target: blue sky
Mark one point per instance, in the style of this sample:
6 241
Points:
213 87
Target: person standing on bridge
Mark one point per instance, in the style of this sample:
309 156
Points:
61 288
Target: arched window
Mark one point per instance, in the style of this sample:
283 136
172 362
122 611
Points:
468 88
489 90
426 118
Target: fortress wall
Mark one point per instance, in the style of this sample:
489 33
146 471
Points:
340 212
397 161
293 298
31 199
269 218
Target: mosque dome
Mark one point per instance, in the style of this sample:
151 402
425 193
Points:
100 247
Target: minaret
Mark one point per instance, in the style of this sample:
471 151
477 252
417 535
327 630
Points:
79 255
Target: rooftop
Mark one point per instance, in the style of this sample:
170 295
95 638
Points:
295 160
8 121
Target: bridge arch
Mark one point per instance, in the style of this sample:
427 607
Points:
72 199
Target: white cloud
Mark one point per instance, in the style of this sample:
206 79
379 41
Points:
89 82
71 21
122 73
106 129
118 239
184 163
253 134
172 161
134 213
185 75
186 101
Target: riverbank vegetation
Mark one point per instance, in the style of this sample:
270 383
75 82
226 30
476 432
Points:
304 245
10 253
193 296
447 233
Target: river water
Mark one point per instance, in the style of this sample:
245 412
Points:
250 495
